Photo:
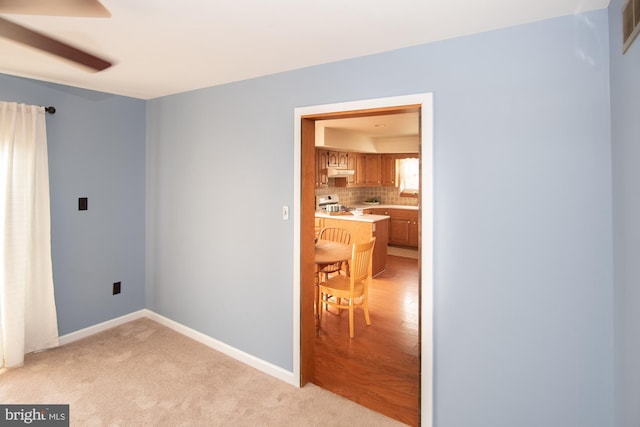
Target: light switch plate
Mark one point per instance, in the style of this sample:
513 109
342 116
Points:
285 212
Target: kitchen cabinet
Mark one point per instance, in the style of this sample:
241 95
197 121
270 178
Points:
403 226
333 159
352 163
376 170
343 160
336 159
322 162
360 169
388 173
371 164
371 169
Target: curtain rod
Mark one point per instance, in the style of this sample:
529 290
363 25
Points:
50 109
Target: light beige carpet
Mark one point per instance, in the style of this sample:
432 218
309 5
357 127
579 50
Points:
144 374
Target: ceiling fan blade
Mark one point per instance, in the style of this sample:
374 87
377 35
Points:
86 8
40 41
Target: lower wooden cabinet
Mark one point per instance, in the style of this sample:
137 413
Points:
403 226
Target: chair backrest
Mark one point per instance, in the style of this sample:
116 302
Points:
317 226
361 261
335 234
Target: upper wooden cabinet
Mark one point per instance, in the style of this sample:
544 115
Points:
360 169
343 160
388 175
336 159
333 160
371 169
322 162
330 159
352 163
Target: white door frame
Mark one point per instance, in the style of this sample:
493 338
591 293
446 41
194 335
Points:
425 100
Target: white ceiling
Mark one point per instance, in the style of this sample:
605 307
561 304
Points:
378 126
162 47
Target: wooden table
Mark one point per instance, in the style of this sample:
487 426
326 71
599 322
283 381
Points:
327 253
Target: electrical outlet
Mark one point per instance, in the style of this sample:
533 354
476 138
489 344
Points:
83 204
116 288
285 212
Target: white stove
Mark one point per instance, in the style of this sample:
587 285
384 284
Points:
328 203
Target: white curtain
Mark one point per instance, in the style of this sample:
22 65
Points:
28 320
409 174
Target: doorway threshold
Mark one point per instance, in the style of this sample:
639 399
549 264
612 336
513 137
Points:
403 252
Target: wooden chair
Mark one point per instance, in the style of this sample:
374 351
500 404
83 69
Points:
333 234
353 289
317 227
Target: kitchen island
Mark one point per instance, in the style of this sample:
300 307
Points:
362 228
404 222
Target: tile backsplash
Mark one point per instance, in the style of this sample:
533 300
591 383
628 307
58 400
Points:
356 195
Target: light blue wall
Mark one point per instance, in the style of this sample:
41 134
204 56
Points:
523 291
625 113
96 147
523 222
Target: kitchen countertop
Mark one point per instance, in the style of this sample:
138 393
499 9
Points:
351 217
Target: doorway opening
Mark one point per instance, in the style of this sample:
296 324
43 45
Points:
304 208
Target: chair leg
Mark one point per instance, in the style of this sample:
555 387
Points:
319 307
351 334
365 307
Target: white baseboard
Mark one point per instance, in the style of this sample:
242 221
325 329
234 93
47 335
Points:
86 332
241 356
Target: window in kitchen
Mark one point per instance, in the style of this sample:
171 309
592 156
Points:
408 177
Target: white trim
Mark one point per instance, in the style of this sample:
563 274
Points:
427 262
297 203
426 195
234 353
100 327
241 356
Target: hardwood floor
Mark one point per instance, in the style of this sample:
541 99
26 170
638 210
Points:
380 367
